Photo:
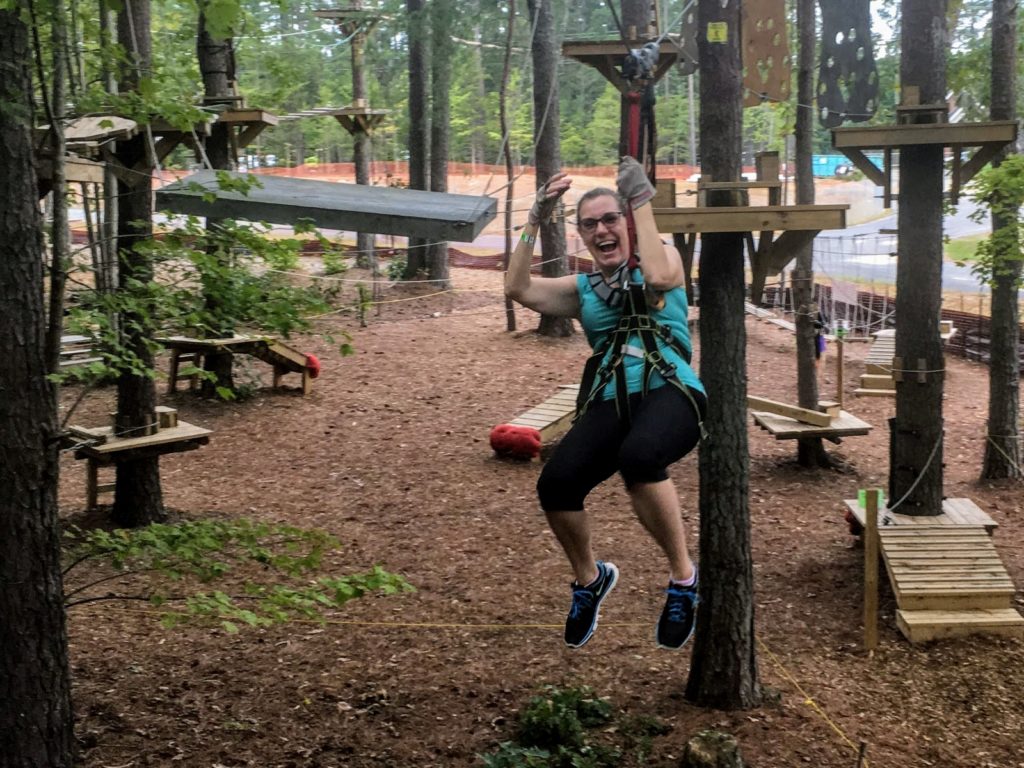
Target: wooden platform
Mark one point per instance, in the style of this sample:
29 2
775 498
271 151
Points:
955 512
283 358
105 449
785 428
553 417
945 572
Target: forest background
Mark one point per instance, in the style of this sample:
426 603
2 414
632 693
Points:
288 60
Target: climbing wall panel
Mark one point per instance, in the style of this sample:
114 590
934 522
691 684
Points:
766 59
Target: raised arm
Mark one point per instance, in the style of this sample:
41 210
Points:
661 264
554 296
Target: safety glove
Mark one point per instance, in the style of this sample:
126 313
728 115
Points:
543 206
633 183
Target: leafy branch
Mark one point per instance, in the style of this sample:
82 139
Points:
269 565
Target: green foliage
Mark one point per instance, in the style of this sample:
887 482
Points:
268 565
1001 189
396 268
552 733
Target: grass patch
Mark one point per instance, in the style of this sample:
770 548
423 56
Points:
962 249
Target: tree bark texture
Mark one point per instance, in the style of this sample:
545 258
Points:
362 147
419 133
548 153
442 54
723 673
35 690
810 451
216 65
915 473
1003 454
138 498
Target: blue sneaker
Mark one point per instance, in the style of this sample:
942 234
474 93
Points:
678 617
586 605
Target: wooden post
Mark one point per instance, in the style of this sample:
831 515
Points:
871 571
839 372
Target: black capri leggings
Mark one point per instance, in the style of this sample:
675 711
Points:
664 427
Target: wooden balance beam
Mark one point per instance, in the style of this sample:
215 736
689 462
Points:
553 417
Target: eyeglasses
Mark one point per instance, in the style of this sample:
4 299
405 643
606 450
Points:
610 219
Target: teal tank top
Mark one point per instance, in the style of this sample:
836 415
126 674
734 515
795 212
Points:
600 321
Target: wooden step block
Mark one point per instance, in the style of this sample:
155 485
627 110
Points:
922 626
860 392
879 369
877 381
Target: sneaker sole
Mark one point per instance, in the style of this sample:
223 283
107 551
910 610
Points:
674 647
597 614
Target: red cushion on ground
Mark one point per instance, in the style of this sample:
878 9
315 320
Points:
515 442
313 363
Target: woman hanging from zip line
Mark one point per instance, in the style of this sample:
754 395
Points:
640 406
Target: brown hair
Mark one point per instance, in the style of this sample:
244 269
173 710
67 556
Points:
598 192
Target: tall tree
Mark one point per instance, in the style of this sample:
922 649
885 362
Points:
215 53
138 497
810 450
915 472
723 673
362 145
35 690
442 16
1003 448
548 152
419 133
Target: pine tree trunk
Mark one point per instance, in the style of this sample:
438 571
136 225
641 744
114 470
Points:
35 694
546 52
419 77
442 52
723 672
362 148
138 499
915 474
217 69
810 451
1003 455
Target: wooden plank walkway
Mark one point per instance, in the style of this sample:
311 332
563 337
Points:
945 572
553 417
283 358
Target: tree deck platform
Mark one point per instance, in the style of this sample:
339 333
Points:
553 417
99 447
283 358
955 512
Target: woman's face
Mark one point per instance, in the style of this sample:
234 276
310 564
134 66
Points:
602 225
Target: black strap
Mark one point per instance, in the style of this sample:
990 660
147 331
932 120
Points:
601 368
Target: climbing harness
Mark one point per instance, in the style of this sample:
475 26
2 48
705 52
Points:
607 363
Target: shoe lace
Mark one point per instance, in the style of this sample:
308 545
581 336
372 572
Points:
680 601
582 600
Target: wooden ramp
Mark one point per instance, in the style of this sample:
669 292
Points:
282 358
553 417
877 380
947 576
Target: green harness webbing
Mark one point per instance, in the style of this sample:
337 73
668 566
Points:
598 371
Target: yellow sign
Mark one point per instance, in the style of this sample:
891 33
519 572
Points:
718 32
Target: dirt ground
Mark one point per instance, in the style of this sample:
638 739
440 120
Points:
390 452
